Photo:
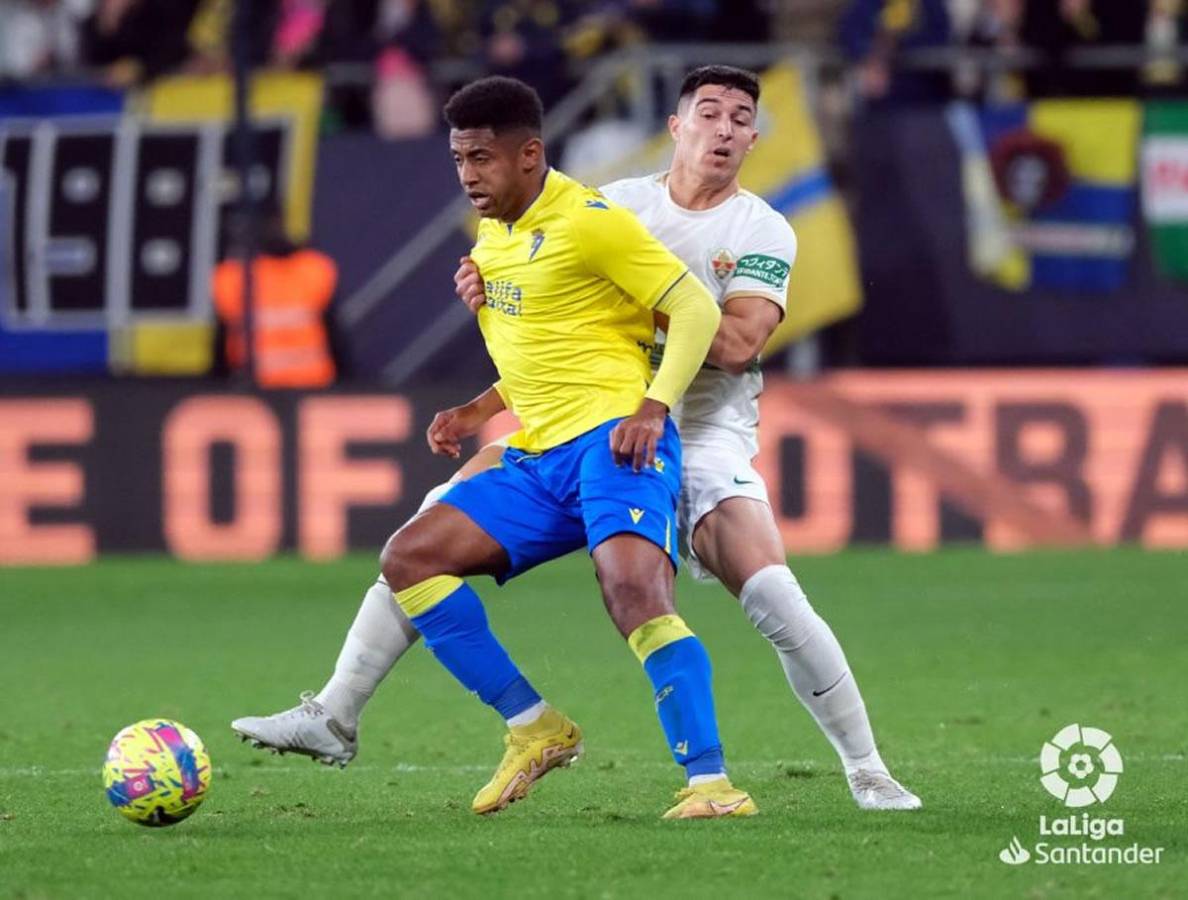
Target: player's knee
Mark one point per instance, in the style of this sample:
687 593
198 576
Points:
632 600
406 561
777 606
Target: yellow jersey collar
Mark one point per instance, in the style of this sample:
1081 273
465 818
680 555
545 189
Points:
548 192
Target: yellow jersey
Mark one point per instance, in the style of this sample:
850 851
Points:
570 286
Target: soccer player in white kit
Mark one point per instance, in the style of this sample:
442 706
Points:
743 251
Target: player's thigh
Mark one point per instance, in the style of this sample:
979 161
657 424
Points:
514 503
736 539
442 540
636 579
616 499
630 521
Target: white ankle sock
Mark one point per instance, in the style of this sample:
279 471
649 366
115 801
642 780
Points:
377 638
813 662
528 716
695 780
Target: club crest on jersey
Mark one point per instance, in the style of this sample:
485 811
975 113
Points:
723 264
538 237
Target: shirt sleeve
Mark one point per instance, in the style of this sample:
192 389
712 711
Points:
615 245
765 264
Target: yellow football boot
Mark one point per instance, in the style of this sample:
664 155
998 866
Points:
532 750
712 800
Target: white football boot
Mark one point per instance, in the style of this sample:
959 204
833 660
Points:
878 790
306 729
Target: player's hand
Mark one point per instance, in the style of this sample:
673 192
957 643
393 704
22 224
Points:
468 284
450 427
635 438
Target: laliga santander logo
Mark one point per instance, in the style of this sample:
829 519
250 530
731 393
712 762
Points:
1080 766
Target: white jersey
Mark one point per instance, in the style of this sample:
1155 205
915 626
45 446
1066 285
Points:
741 247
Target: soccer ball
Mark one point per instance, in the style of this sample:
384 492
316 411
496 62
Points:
157 772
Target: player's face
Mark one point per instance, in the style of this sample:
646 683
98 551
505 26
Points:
713 131
494 170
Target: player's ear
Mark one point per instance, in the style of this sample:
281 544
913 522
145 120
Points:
531 153
674 125
754 138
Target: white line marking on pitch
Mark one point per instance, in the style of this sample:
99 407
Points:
245 769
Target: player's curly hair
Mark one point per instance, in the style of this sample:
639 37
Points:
498 103
724 76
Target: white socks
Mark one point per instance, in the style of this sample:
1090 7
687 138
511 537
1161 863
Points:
528 716
814 663
378 637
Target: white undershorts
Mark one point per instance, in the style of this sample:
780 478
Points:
711 473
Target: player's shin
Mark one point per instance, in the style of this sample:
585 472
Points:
679 668
813 662
379 636
451 617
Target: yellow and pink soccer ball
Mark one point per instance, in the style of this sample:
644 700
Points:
157 772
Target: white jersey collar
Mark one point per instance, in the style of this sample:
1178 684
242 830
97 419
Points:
662 182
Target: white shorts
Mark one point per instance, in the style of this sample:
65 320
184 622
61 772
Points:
713 473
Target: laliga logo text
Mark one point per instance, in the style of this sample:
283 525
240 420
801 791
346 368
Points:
1079 767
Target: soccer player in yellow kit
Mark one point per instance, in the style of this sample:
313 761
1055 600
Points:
572 285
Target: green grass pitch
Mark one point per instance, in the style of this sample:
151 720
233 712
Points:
968 663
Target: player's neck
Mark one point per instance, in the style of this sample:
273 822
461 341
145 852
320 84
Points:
527 200
689 192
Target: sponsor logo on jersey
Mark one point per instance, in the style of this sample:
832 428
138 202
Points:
768 269
596 204
636 514
505 297
723 264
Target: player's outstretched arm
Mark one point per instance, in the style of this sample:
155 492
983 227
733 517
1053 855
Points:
451 426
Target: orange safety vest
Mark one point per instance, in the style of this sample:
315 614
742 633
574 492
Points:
291 294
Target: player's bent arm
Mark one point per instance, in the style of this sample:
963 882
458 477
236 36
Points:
450 426
616 246
747 323
693 318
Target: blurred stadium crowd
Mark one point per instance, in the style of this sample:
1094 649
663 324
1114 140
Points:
389 60
936 157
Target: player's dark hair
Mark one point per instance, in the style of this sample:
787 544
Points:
721 76
499 103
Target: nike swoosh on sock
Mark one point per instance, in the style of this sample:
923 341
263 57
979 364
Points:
832 686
